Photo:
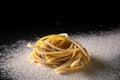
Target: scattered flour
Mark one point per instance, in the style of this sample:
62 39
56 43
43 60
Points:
104 49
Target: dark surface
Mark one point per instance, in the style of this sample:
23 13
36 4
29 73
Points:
24 27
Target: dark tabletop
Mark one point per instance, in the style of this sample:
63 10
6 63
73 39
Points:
15 27
21 27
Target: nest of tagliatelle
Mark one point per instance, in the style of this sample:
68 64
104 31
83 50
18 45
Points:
59 51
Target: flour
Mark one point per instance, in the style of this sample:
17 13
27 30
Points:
104 49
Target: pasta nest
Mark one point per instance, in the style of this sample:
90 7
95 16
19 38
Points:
60 52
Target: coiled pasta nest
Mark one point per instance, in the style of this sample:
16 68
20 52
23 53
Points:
60 52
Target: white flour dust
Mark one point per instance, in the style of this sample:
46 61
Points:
104 50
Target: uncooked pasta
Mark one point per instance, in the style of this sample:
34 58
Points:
60 52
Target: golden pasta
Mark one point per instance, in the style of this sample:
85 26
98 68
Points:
60 52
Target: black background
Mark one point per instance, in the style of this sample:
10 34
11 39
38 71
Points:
14 24
25 25
23 19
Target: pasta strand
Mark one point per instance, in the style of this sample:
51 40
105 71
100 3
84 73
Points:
59 51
